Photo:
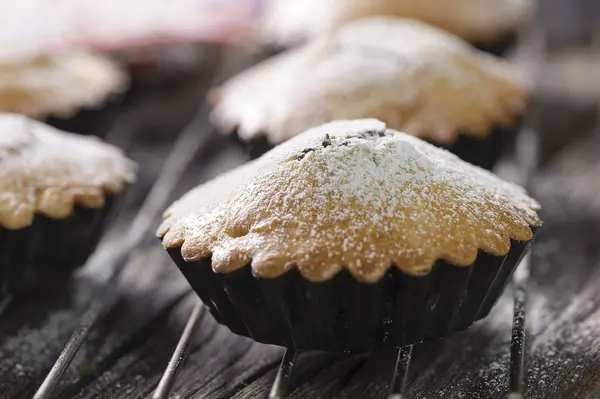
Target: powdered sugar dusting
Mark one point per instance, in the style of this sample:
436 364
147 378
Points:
47 171
349 194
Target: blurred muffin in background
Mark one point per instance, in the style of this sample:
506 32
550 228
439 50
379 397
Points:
40 77
58 85
489 24
414 77
57 193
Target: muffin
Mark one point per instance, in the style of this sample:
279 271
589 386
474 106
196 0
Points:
349 237
489 24
414 77
58 85
57 191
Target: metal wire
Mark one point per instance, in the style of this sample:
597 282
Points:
168 378
518 336
5 303
400 377
64 360
281 385
527 160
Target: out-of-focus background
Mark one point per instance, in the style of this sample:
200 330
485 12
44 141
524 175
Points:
173 54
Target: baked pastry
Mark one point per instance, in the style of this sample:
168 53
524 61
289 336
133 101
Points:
348 237
57 85
56 192
490 24
414 77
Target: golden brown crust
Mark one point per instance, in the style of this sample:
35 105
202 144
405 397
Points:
353 195
413 77
478 21
58 85
46 171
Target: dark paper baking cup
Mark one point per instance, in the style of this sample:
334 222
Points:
499 47
50 250
256 146
484 152
95 121
343 315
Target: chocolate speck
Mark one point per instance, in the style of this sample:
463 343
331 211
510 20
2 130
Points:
303 153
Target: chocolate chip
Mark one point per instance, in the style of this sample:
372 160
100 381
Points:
304 152
326 142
